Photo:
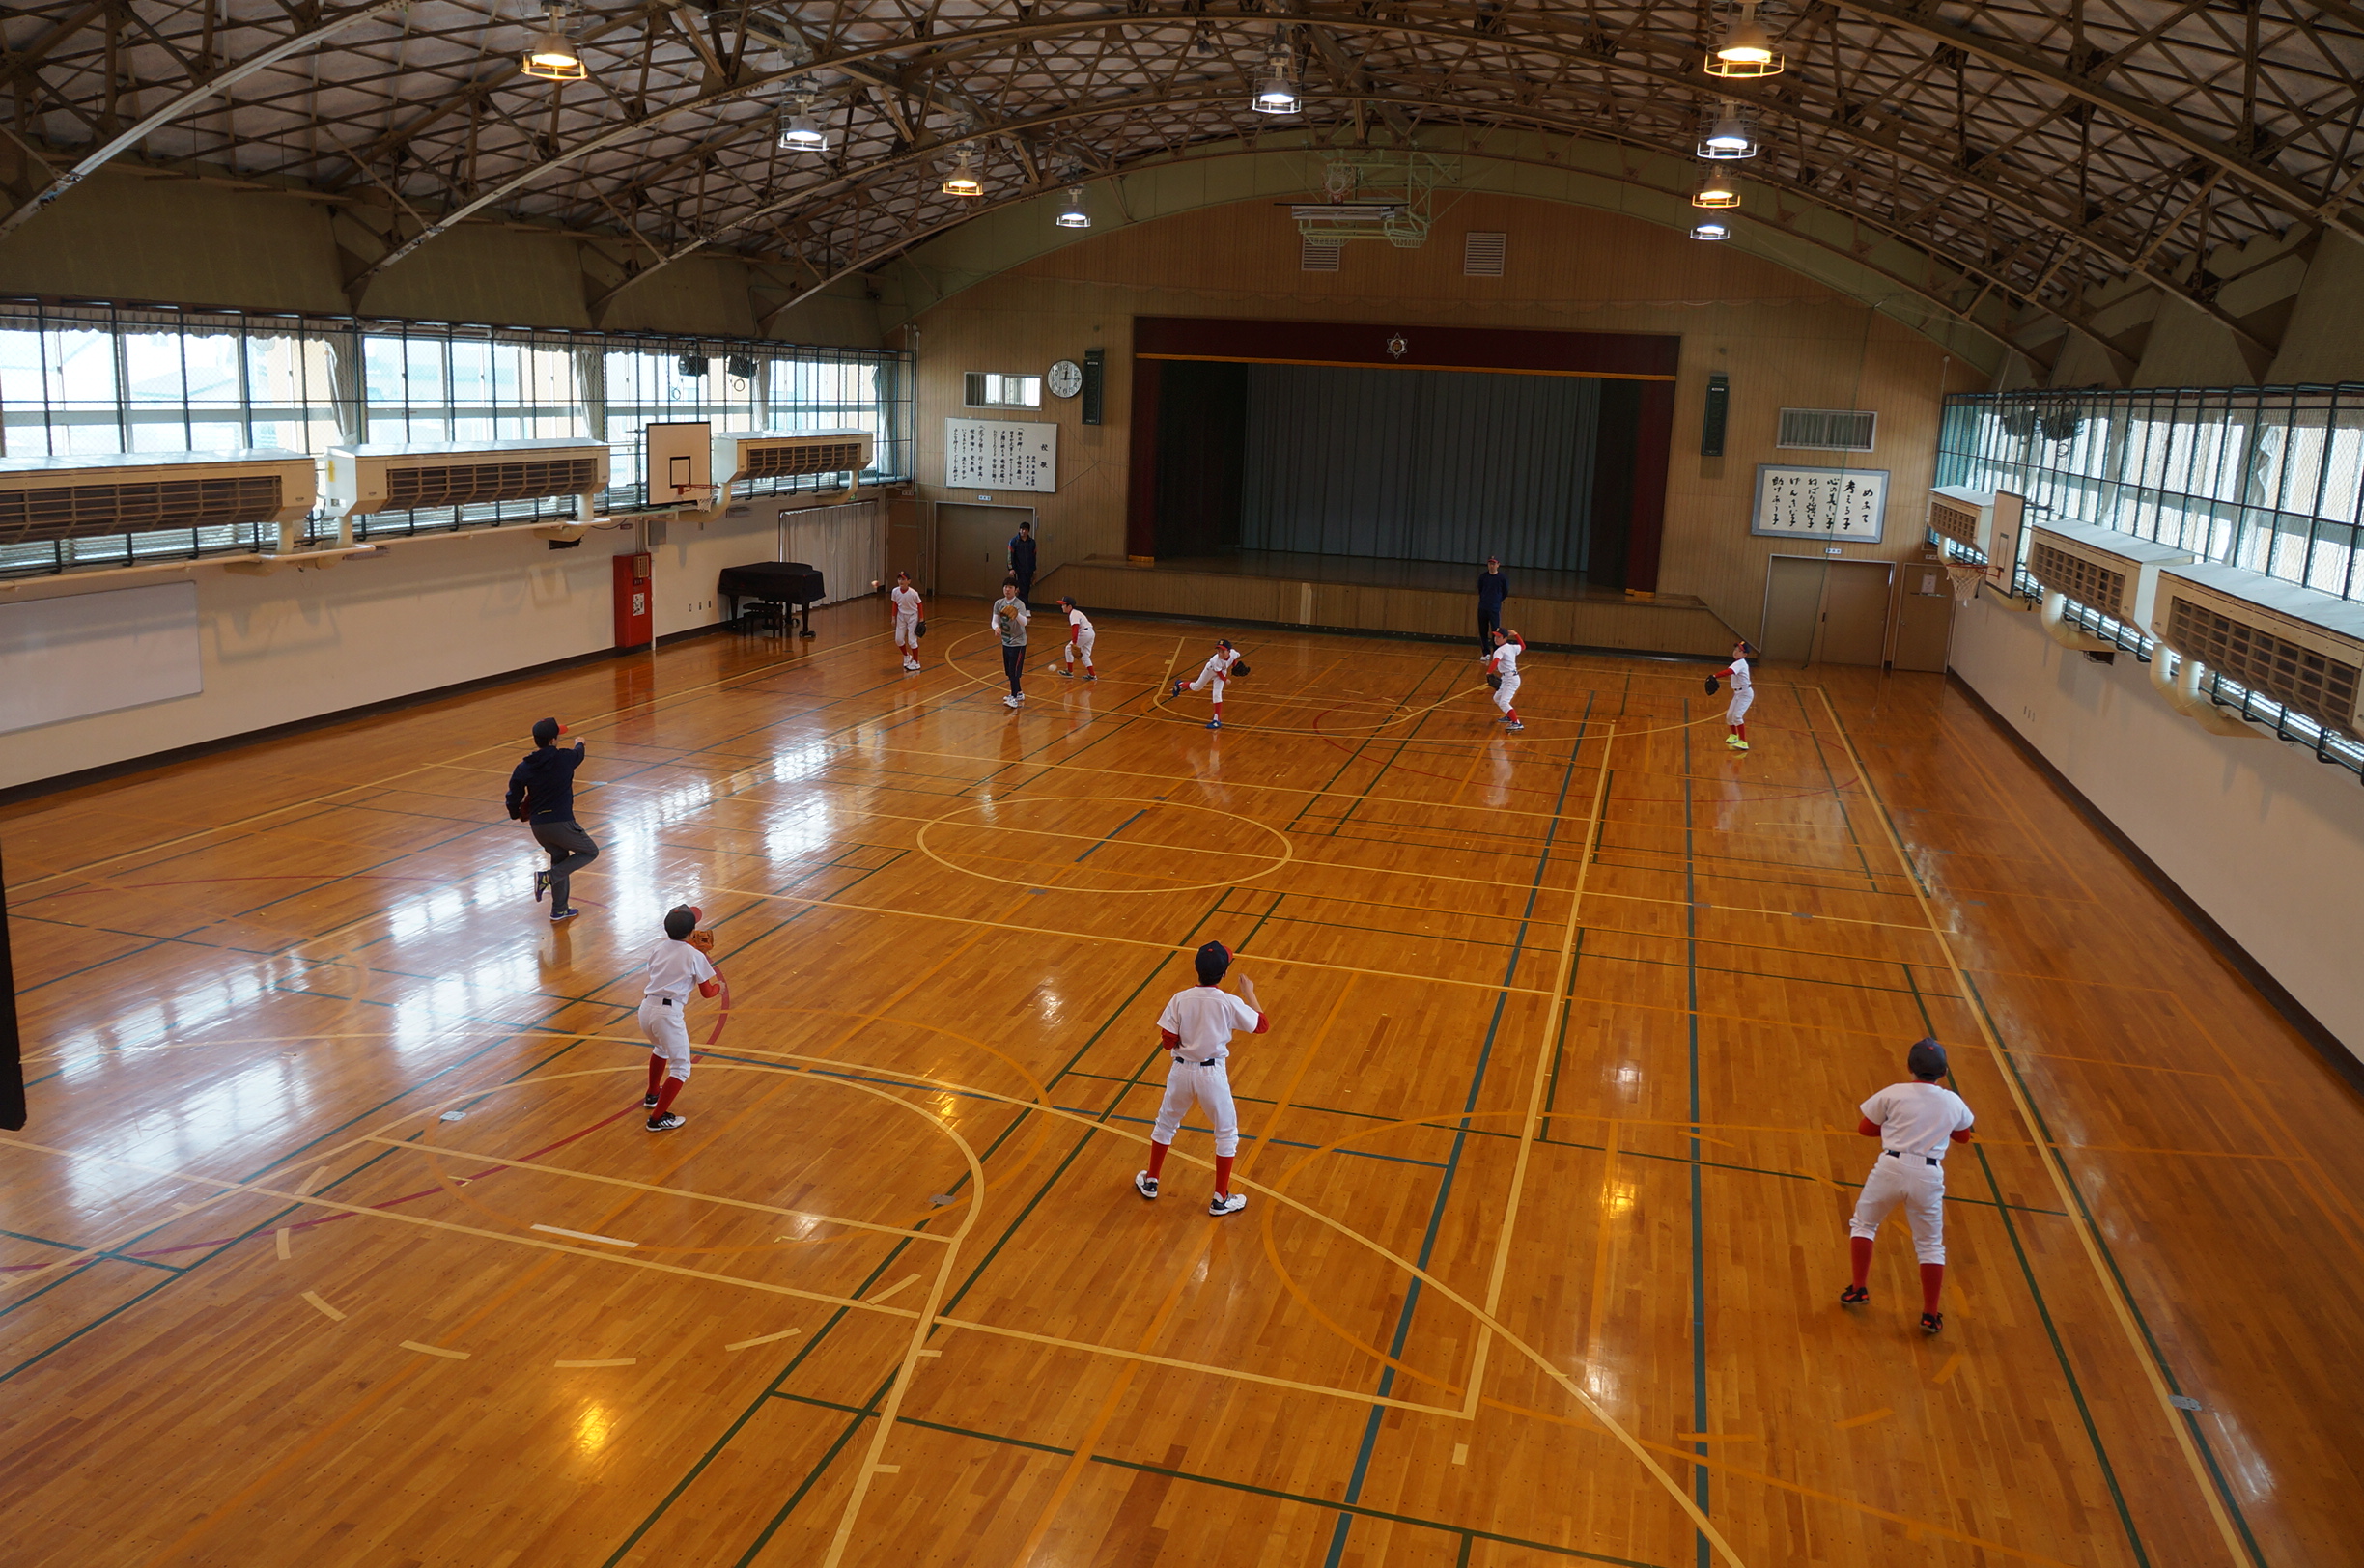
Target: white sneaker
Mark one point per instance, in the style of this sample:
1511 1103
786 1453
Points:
1514 726
1145 1184
1219 1205
1010 702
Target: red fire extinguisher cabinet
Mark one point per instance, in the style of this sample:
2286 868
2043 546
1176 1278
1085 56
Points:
636 615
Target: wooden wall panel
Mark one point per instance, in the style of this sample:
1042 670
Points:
1782 340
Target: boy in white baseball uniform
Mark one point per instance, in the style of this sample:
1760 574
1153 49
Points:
908 611
675 968
1217 670
1916 1123
1503 663
1197 1027
1079 640
1743 692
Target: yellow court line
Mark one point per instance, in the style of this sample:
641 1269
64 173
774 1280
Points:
324 1308
763 1339
436 1350
440 1149
1547 1042
626 1361
2103 1275
1864 1419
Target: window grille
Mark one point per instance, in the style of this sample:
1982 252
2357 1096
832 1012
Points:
1828 430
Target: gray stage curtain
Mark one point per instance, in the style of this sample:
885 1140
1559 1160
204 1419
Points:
1421 465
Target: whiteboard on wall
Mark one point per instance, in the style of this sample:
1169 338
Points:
995 454
1841 505
86 654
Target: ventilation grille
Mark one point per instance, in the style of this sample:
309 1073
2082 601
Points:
1313 258
1828 430
466 484
1955 523
2293 674
80 510
812 458
2083 581
1483 253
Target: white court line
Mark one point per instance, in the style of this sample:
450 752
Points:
587 1236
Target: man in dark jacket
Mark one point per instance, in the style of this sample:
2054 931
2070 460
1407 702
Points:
1492 589
1022 560
541 795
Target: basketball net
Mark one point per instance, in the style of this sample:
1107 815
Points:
1964 581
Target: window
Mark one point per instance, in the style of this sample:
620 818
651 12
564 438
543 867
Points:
1827 429
94 380
985 389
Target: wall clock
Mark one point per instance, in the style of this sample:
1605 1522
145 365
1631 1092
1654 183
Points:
1066 379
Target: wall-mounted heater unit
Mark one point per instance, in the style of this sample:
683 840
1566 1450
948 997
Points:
136 492
2300 646
1985 521
760 454
394 478
2099 568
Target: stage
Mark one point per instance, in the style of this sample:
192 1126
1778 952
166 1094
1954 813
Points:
1413 598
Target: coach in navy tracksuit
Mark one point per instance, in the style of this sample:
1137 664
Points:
1492 589
1022 560
541 795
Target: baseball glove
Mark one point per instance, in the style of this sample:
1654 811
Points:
703 942
1239 669
1714 686
919 630
1493 683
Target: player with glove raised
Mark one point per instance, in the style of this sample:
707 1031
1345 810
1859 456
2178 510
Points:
1743 692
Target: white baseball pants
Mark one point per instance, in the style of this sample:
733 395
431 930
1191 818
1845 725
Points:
1507 693
1081 649
1737 709
662 1020
907 632
1186 1083
1911 1180
1203 680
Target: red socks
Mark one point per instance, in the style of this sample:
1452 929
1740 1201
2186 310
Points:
1223 1175
1157 1159
1932 1281
1860 1246
1740 729
665 1096
657 1073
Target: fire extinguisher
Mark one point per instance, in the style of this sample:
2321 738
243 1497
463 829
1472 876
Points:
636 616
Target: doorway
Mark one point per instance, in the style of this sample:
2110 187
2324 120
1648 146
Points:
972 546
1825 612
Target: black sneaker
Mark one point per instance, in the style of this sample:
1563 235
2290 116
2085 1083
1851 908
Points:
649 1101
1853 1296
557 915
665 1123
1931 1322
540 884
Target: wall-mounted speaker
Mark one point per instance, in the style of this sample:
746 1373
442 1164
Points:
1713 416
1095 382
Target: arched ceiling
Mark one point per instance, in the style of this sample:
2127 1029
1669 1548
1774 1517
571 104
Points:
2039 150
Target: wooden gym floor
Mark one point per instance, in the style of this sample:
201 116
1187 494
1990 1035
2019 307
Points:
336 1238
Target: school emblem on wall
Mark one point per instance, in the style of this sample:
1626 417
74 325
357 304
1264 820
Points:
1397 348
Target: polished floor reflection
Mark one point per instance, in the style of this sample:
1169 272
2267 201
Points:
336 1237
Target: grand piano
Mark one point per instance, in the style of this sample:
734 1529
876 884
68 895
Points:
792 583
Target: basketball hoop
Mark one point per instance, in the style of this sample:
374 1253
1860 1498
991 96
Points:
1964 581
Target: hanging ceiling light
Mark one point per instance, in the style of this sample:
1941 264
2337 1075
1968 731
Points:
963 181
1712 229
1276 93
1716 188
1728 135
551 54
1074 216
799 133
1747 49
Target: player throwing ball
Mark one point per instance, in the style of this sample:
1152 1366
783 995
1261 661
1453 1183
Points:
1079 640
1915 1123
676 966
1226 665
909 618
1744 692
1502 674
1197 1028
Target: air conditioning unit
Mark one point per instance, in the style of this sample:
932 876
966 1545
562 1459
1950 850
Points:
133 493
361 480
1985 521
2101 568
2300 646
762 455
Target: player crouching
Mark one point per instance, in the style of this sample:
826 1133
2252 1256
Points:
675 965
1197 1029
1502 674
1226 665
1079 641
1915 1123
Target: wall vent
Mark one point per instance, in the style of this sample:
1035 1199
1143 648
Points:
1313 258
1483 254
1828 430
361 480
52 498
2300 646
2101 568
756 455
1985 522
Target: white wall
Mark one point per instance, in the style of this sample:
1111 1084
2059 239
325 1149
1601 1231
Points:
422 614
2265 839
